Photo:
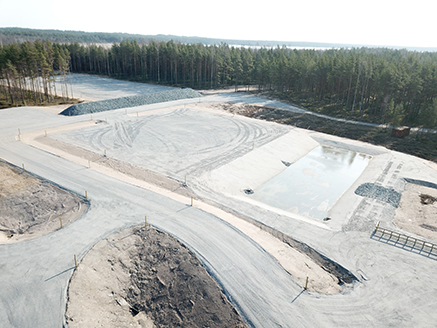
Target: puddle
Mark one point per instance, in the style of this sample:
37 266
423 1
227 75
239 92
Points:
312 185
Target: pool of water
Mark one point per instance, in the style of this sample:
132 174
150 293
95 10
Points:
312 185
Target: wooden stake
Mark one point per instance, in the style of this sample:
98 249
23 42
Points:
24 170
105 152
253 146
306 284
89 164
86 195
60 220
75 261
191 200
145 220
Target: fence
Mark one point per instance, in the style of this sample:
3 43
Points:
404 241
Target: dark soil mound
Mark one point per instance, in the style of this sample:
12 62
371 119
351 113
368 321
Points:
173 288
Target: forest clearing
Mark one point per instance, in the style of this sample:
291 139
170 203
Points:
182 167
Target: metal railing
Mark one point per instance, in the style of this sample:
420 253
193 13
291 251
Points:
404 241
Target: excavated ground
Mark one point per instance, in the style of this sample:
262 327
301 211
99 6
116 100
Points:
142 277
417 211
31 207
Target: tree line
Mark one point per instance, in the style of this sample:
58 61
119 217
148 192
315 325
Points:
28 71
9 35
371 84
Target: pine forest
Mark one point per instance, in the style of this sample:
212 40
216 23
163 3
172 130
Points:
368 84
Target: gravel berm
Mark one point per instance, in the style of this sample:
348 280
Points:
132 101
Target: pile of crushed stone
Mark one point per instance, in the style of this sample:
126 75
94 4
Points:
386 195
132 101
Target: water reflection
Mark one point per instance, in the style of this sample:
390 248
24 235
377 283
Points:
312 185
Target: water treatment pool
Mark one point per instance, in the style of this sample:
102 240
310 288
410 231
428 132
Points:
312 185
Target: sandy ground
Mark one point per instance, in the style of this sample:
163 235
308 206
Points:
299 267
92 87
141 277
119 166
415 216
31 207
297 264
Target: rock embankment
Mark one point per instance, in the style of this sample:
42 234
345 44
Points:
127 102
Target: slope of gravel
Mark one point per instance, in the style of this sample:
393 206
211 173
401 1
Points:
127 102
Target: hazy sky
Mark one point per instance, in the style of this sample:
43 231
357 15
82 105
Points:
372 22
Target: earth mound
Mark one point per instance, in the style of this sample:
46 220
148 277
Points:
146 278
31 207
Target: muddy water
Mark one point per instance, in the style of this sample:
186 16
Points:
312 185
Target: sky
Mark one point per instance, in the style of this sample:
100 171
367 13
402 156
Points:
365 22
